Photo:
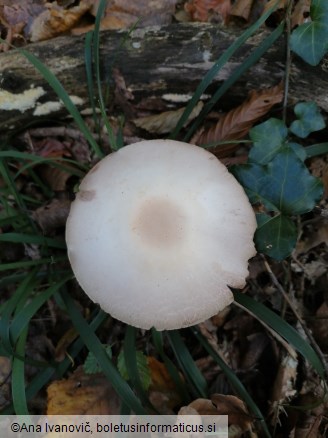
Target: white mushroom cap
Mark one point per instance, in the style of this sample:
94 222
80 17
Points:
157 233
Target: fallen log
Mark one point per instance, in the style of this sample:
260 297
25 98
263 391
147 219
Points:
159 64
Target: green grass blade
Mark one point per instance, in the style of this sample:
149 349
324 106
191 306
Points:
9 181
187 364
64 97
36 159
22 319
234 381
130 358
248 63
171 368
18 378
10 220
33 239
316 149
28 263
212 73
44 376
25 288
96 42
283 329
96 347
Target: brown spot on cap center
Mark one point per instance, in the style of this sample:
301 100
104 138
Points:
159 222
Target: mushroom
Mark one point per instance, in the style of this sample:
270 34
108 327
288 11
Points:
158 233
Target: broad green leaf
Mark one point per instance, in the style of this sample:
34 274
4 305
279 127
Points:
309 119
288 184
298 150
283 185
275 236
310 40
91 364
252 177
143 368
268 139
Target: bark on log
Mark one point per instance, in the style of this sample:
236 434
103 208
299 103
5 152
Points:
156 63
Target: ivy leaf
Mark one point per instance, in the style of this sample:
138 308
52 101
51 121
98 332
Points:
142 365
252 176
268 139
310 119
275 236
288 184
299 150
91 364
310 40
283 185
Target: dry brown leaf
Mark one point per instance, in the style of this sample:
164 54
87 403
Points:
52 216
56 20
319 168
165 122
301 11
64 342
203 406
320 326
235 408
242 8
55 177
199 10
237 122
122 94
310 429
15 20
82 394
225 405
281 5
162 392
121 14
257 343
284 384
313 238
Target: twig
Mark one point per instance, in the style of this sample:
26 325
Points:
297 315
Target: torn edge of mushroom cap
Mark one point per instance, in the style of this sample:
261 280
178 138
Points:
168 251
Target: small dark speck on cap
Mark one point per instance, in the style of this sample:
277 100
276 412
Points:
86 195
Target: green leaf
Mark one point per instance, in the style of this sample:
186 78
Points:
251 176
93 343
18 377
283 185
91 364
65 98
310 119
143 368
268 139
275 236
299 151
310 40
187 363
316 149
289 185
